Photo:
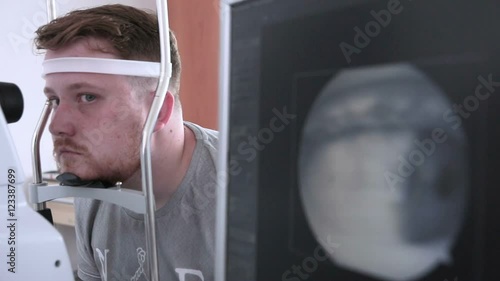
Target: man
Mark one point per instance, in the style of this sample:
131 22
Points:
96 127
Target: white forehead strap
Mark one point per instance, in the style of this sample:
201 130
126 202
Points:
103 66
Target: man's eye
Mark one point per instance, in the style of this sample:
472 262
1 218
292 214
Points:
87 98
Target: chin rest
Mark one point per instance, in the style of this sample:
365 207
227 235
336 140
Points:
71 179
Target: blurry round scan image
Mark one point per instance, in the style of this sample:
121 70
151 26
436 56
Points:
383 172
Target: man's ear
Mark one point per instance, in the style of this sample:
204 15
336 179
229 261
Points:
165 111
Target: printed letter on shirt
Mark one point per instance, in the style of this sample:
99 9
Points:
184 271
141 259
104 263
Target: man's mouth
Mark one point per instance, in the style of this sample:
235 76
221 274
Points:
68 147
66 151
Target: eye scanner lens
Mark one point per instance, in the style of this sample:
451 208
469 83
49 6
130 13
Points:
11 102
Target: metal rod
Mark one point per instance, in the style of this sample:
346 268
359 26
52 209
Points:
35 152
146 169
221 210
127 198
51 10
42 122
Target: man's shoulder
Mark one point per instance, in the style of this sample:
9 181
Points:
208 138
202 133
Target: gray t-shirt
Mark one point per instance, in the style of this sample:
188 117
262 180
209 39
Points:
111 240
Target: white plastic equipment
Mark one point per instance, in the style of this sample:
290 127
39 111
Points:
30 247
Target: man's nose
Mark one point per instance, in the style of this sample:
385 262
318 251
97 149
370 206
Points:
63 120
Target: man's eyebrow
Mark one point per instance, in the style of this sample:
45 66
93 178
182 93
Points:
77 86
72 87
48 91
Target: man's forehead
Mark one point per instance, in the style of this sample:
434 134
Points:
75 85
84 47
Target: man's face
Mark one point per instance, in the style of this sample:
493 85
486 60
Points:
97 119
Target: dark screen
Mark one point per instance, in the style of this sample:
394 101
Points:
283 53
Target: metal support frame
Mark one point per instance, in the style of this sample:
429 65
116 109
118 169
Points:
222 177
40 192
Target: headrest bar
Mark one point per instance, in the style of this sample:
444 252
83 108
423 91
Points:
103 66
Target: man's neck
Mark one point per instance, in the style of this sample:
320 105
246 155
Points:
172 148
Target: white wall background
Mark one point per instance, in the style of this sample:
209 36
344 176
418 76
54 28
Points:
20 64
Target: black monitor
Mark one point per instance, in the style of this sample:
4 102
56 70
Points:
347 82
